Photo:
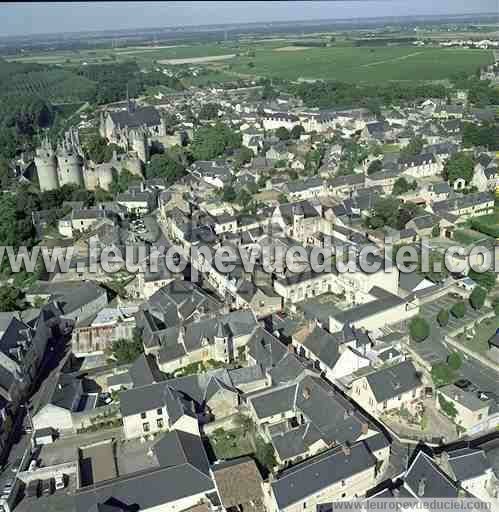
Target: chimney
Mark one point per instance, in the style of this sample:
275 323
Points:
421 487
306 393
365 428
346 450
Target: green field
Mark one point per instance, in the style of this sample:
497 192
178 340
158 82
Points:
343 63
351 64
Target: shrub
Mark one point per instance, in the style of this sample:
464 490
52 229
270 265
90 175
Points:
442 374
458 310
447 407
419 329
443 317
477 297
454 361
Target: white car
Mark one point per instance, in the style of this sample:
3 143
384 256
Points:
32 465
59 482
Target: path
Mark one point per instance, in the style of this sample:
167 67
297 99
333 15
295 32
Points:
386 61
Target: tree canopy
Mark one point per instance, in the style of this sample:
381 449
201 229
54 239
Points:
212 141
419 329
459 165
165 166
477 297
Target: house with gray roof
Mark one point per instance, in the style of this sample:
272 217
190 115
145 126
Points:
336 354
473 413
390 387
177 403
305 416
471 468
338 473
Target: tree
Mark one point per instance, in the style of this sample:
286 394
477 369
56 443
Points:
244 156
209 111
210 142
401 186
297 131
127 351
414 148
447 406
229 194
458 309
443 317
486 280
486 135
419 329
264 454
386 210
122 181
460 165
9 297
442 374
375 166
282 133
454 361
99 151
164 166
477 297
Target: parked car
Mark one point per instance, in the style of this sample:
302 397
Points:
33 489
60 482
47 487
32 465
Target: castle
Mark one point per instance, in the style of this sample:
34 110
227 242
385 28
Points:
67 165
133 129
62 166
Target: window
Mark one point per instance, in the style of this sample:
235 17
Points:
159 411
480 416
304 504
160 423
145 427
143 415
385 405
343 483
344 495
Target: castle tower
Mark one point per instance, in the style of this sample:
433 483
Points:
70 161
221 341
46 166
138 142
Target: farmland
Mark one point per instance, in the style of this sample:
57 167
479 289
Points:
352 64
267 59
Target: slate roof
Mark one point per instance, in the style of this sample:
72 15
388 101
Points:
140 372
323 345
390 382
279 400
462 202
178 447
465 398
467 463
436 483
182 395
146 489
319 473
297 441
147 116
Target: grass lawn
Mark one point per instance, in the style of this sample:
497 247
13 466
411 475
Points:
228 444
469 236
390 148
483 333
